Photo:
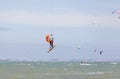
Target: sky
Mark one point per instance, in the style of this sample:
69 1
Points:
89 24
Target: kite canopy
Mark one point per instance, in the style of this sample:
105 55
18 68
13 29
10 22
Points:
116 11
47 38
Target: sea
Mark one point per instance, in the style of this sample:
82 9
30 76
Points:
59 70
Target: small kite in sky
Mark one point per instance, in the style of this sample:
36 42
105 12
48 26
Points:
116 12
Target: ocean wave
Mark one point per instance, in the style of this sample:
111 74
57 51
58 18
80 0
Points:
85 64
114 63
23 64
95 73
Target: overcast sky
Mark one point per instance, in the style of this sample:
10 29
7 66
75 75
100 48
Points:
88 23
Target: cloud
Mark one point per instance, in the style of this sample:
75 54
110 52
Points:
71 19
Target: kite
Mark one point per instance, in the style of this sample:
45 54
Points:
117 12
47 38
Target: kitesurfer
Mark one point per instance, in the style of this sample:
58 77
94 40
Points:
51 39
101 52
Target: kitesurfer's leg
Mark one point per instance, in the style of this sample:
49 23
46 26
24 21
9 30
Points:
51 47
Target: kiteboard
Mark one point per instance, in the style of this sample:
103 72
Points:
51 49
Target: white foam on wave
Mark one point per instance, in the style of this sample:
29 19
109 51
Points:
85 64
23 76
95 73
70 64
114 63
65 69
23 64
72 73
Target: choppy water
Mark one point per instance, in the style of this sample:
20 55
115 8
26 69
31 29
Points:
59 70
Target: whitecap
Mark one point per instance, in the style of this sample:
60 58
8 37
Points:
114 63
85 64
65 69
95 73
70 64
23 76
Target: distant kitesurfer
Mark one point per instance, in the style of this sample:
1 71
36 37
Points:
101 52
51 42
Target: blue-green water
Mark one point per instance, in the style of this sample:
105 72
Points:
59 70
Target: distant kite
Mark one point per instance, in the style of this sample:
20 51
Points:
78 46
47 38
95 50
100 52
116 12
